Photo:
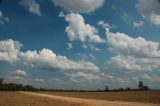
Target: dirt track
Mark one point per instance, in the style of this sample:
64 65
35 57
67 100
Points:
90 102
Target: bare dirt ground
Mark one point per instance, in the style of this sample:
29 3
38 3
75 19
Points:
22 99
89 102
126 96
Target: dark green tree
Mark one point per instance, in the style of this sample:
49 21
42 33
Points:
1 84
1 80
140 85
128 89
107 88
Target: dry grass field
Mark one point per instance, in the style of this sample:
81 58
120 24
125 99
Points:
22 99
130 96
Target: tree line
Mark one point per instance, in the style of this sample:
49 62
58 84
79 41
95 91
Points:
15 87
20 87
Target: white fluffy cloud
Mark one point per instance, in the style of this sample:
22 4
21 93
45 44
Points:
95 80
47 59
130 63
20 73
79 30
3 19
82 6
9 50
32 6
139 47
83 78
133 54
17 76
150 10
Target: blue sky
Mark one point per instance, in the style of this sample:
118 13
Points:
80 44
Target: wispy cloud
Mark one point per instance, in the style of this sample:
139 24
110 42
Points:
150 10
32 6
3 18
138 24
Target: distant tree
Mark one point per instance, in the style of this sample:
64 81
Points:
28 88
120 89
1 84
128 89
107 88
145 88
99 90
1 80
140 85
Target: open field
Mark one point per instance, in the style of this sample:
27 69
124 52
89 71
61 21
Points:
79 98
20 99
129 96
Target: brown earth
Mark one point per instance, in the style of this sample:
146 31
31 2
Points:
20 99
79 98
90 102
129 96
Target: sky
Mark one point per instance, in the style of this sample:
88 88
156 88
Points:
80 44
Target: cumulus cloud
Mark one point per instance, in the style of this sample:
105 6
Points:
133 54
47 59
20 73
129 63
32 6
82 6
44 59
94 80
139 47
9 50
79 30
85 78
150 10
3 18
17 76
